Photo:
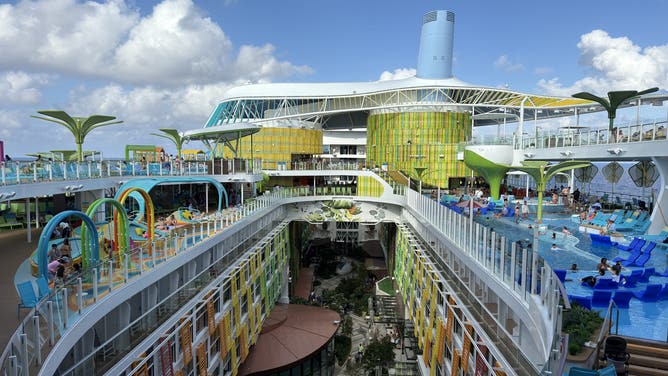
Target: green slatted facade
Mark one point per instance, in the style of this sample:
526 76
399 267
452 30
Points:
434 139
368 186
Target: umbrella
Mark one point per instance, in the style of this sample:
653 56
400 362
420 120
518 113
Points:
644 174
586 174
613 171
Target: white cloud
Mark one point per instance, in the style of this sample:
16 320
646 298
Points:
173 45
615 64
503 62
21 87
541 71
398 74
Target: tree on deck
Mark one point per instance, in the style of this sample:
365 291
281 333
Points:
542 172
79 126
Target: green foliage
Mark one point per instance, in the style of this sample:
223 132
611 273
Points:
262 183
342 345
379 352
385 285
580 324
347 326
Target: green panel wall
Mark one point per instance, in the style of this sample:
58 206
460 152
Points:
434 138
368 186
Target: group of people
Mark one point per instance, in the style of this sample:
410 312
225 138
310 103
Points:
602 268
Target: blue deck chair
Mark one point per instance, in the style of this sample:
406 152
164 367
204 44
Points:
635 252
605 284
561 274
27 295
632 245
650 294
664 274
622 298
43 287
584 301
608 371
663 295
577 371
631 260
601 298
648 272
634 278
644 256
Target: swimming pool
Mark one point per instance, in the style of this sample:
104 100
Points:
642 319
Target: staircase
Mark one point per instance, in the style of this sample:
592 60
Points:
387 309
648 358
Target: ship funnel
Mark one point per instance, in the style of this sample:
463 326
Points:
436 39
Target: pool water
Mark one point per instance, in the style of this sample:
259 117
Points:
642 319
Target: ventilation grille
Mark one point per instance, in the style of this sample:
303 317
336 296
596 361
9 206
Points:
429 17
450 17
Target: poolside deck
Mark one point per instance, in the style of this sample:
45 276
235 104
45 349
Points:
14 249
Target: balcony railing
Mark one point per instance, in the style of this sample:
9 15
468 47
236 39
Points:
22 172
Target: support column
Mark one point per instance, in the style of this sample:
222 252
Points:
29 232
285 291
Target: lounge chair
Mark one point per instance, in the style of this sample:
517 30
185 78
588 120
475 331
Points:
650 294
622 298
43 287
635 243
664 274
647 272
561 274
633 279
577 371
584 301
610 370
605 284
27 295
632 257
663 295
601 298
644 256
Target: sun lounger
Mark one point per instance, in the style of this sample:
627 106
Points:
650 294
577 371
561 274
663 295
634 278
601 298
644 256
622 298
605 284
635 243
43 287
635 253
648 272
584 301
27 295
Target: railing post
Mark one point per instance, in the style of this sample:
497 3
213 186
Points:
66 310
50 322
154 250
79 295
126 261
95 278
23 340
110 273
141 260
13 364
37 346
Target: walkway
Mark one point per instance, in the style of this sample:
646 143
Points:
14 251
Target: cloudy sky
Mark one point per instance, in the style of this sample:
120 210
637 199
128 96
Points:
167 63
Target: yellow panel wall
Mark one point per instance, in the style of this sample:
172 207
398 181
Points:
277 145
407 140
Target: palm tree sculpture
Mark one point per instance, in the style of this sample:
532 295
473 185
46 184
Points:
79 126
615 99
174 136
541 173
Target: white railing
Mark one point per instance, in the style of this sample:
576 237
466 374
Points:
621 134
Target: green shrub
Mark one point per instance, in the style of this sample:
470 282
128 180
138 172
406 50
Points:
580 324
342 345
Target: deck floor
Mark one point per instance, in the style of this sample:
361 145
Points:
14 250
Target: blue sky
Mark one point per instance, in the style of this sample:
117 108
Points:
166 63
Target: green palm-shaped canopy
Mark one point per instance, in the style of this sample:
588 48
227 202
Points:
542 172
615 99
79 126
174 136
